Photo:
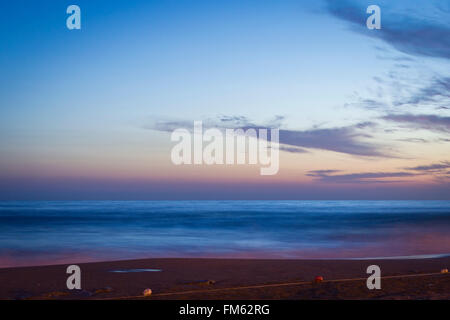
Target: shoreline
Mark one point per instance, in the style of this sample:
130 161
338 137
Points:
405 257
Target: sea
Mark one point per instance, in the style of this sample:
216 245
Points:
57 232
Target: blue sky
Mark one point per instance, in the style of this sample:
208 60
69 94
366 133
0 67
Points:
79 102
183 58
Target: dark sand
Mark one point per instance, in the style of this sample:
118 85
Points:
181 275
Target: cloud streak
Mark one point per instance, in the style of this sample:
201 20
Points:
428 122
334 176
343 140
411 34
414 31
436 92
346 140
436 167
365 177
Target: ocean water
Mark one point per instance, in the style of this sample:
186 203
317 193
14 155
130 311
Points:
33 233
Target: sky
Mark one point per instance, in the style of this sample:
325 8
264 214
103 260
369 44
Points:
86 114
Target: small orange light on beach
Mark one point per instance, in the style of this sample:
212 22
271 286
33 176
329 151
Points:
444 271
147 292
318 279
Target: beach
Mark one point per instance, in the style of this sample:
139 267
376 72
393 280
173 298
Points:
216 279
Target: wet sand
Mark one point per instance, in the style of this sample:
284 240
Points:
224 279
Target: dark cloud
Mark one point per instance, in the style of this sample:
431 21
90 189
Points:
428 122
365 177
408 34
436 167
342 139
321 172
292 149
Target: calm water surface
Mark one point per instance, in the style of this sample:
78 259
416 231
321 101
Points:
59 232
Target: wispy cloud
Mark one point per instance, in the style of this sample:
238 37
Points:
435 170
292 149
365 177
435 167
428 122
436 91
318 173
413 140
343 139
420 90
346 139
408 33
439 171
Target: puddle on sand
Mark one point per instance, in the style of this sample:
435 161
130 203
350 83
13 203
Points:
135 270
